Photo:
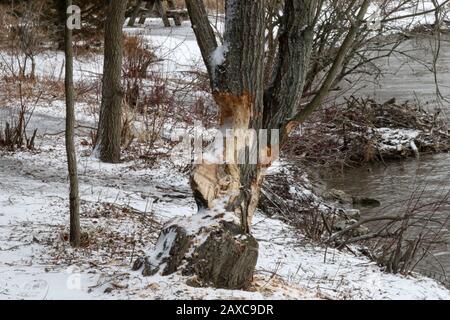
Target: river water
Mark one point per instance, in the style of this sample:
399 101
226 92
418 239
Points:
397 184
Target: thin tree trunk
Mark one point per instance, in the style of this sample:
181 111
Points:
110 123
33 68
70 146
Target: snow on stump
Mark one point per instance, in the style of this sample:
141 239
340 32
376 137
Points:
211 249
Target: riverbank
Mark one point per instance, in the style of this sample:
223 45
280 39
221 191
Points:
362 131
340 147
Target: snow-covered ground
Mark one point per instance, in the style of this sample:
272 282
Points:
123 208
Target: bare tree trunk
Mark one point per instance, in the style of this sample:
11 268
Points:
238 91
110 123
226 193
70 146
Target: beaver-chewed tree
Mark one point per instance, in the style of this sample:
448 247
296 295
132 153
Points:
216 247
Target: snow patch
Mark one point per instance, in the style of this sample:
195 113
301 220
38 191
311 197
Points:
218 56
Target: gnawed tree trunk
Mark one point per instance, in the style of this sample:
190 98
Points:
107 146
236 70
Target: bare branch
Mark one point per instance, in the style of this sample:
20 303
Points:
204 33
336 67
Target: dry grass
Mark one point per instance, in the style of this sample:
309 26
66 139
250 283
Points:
113 235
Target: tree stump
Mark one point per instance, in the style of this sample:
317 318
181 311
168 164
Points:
210 248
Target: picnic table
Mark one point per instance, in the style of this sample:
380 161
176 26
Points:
165 9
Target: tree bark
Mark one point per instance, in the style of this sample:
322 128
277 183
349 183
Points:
336 67
110 123
204 33
283 96
70 145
